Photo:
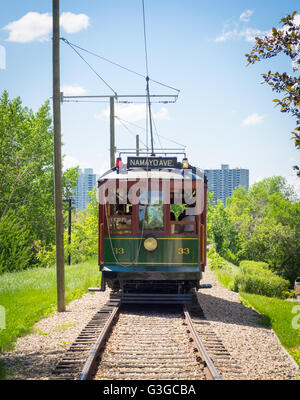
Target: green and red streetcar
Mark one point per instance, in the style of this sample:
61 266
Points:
152 225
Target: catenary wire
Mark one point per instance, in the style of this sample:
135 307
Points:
116 64
115 93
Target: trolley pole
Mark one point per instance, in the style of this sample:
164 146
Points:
112 131
60 268
137 141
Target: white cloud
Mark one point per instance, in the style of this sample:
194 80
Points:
31 27
99 167
73 90
258 179
72 162
247 34
250 34
245 16
103 167
34 26
133 113
227 35
253 119
162 114
234 29
73 23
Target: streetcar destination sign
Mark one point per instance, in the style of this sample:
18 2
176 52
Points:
152 162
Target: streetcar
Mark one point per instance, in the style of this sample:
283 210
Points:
152 225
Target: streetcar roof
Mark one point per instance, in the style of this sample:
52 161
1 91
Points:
142 173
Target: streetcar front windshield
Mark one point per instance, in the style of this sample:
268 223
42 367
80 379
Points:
151 210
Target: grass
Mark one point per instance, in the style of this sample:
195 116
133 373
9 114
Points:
280 316
276 313
27 296
226 275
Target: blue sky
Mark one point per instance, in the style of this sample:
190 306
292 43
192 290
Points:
223 114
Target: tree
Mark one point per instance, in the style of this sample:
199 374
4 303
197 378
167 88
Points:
287 41
221 230
26 171
267 222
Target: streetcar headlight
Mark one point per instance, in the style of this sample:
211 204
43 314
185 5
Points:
185 163
150 244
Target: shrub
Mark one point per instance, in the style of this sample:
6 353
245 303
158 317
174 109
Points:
255 268
216 261
46 256
251 264
231 257
288 294
271 286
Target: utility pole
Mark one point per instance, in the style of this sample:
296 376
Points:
137 141
112 131
60 268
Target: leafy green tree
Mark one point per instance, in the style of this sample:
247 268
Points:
15 244
85 232
221 231
267 222
26 166
285 40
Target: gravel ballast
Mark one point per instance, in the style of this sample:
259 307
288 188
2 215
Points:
255 348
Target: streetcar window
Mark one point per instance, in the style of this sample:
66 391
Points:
119 218
181 221
119 209
120 225
151 211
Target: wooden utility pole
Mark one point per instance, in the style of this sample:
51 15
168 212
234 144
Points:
137 141
112 131
60 268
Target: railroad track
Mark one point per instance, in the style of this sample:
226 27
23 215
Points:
146 341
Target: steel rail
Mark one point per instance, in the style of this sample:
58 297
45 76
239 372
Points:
94 351
204 355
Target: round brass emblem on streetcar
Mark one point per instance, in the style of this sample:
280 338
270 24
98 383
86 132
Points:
150 244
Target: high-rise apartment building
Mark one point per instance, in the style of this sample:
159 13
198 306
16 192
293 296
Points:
86 182
222 182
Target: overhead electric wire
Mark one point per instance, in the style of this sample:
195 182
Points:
161 136
157 134
72 45
126 127
148 102
85 101
66 41
173 141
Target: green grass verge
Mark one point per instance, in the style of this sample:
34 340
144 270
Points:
280 315
27 296
276 313
227 275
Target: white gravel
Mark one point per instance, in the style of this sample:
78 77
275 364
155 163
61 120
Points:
256 349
